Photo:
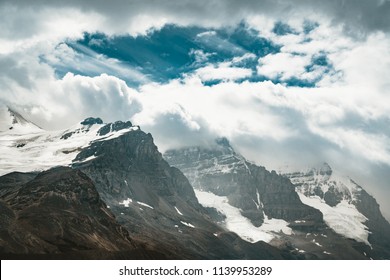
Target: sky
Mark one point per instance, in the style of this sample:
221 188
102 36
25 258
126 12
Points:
287 82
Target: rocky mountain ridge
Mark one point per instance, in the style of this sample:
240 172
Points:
152 202
219 171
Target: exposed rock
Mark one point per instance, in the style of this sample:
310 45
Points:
116 126
92 121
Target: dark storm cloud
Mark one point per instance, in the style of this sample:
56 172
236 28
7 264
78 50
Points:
356 16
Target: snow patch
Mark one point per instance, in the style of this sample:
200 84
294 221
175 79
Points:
187 224
178 211
87 159
126 202
344 218
144 204
318 244
242 226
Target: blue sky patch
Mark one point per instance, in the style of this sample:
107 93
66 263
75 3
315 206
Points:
169 53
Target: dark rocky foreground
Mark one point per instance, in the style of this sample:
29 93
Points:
59 214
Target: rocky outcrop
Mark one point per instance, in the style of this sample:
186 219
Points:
379 227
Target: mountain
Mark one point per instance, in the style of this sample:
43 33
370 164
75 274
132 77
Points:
280 209
12 120
346 206
101 190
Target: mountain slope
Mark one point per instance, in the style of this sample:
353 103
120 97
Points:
59 214
262 205
347 207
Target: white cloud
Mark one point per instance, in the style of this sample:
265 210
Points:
200 56
33 88
283 66
223 72
207 34
26 27
93 64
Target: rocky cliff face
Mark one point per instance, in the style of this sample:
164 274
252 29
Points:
251 188
59 214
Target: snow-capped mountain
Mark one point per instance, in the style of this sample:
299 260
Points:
114 179
11 120
315 212
347 208
25 147
233 209
259 196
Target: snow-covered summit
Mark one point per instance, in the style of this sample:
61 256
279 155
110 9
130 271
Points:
322 181
335 195
25 147
11 120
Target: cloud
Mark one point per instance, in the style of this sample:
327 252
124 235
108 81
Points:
283 66
272 123
200 56
79 59
32 87
25 22
223 72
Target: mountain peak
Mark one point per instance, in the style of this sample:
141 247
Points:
12 120
323 169
223 141
91 121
